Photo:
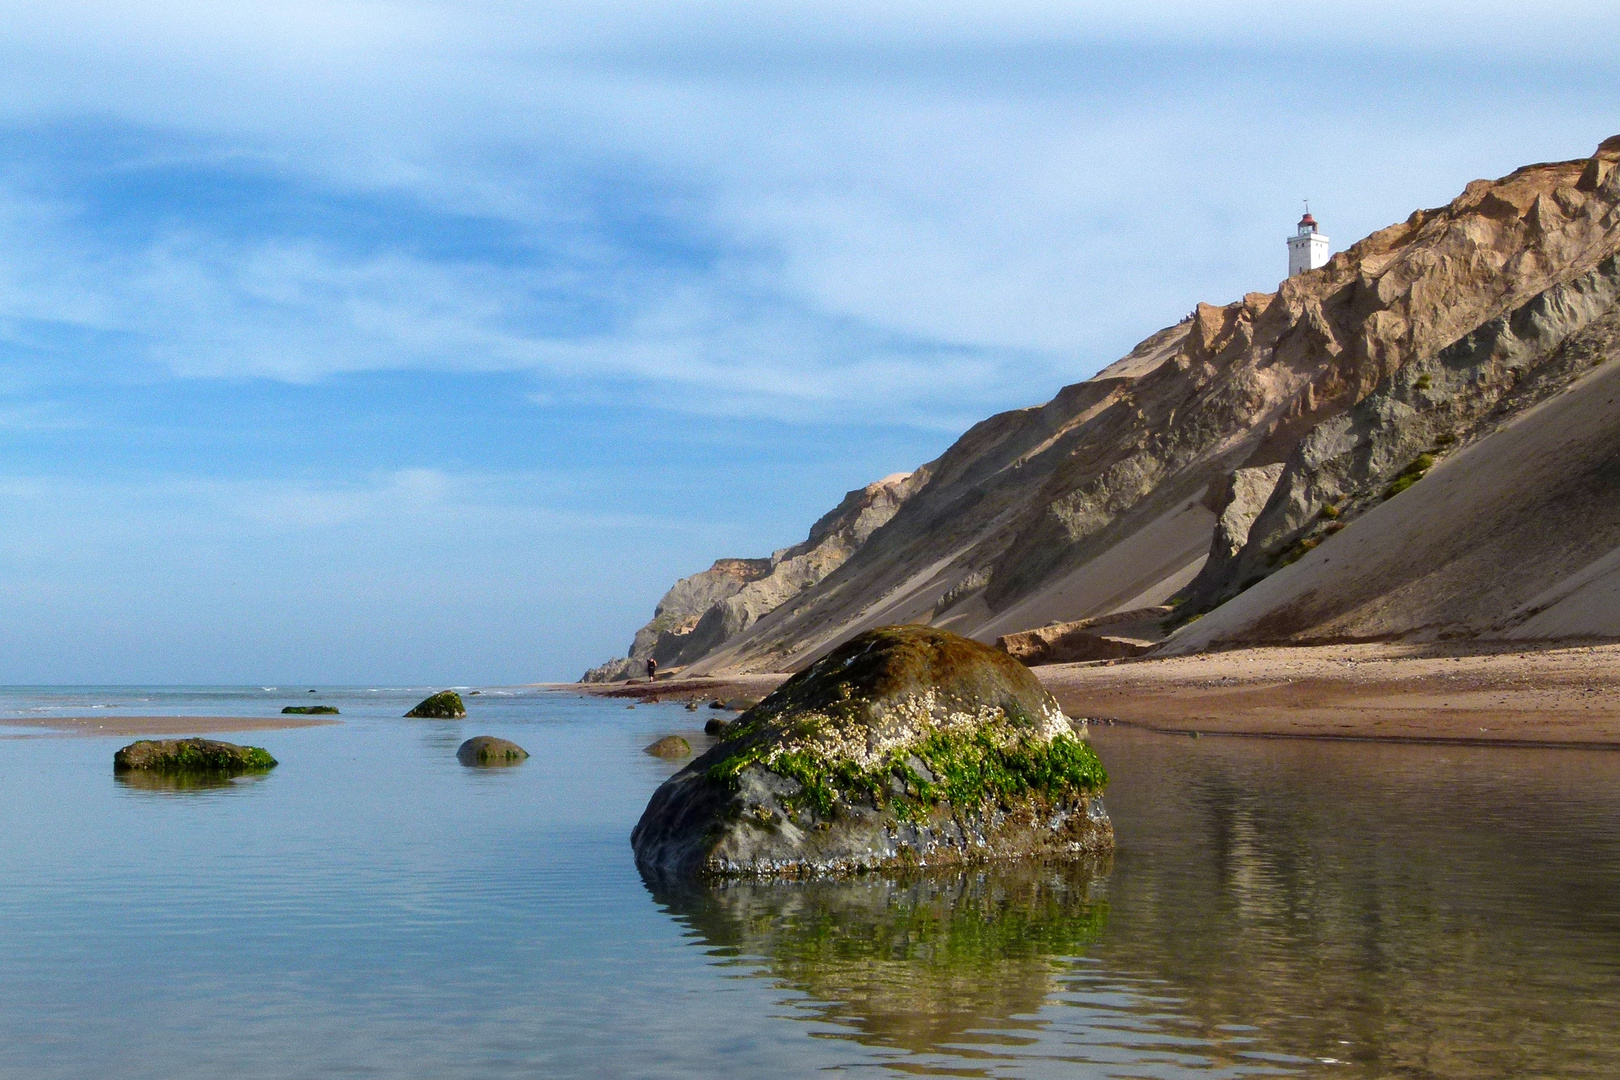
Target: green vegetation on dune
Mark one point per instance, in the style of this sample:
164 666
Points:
1410 475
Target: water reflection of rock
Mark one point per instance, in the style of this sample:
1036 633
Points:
913 962
178 783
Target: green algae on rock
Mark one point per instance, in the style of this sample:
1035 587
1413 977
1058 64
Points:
488 750
191 756
311 710
445 705
906 746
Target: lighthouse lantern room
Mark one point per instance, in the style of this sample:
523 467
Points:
1307 248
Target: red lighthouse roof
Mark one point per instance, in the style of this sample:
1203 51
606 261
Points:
1307 220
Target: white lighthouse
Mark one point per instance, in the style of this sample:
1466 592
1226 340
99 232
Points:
1307 248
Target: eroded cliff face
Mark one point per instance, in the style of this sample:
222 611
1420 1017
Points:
1422 414
1209 453
703 611
1475 495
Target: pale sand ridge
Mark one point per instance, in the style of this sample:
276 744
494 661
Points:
161 725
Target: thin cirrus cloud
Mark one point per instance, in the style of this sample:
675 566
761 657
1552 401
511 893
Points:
257 275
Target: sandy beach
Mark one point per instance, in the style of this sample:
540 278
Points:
1429 693
1442 693
160 725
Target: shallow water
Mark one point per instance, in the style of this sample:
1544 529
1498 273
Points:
373 908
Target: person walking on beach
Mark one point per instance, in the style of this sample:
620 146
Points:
652 669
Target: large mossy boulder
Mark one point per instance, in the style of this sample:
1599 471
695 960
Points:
187 756
488 750
445 705
906 746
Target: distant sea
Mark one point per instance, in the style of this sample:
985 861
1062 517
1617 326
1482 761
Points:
371 908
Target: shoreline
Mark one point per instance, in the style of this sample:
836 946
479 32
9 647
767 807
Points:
707 688
1443 694
1436 694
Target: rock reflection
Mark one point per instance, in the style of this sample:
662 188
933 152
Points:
159 783
916 962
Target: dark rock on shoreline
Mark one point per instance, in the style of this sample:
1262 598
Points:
670 747
717 725
906 746
488 750
445 705
311 710
191 756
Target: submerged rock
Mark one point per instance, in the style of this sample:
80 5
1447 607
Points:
191 756
311 710
670 747
906 746
488 750
445 705
717 725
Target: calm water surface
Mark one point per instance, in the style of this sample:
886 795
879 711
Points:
372 908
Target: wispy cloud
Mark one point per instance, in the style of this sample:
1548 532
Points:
315 302
881 210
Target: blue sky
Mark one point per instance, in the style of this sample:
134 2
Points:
429 342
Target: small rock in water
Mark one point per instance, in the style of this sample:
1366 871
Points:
488 750
717 704
691 706
445 705
742 704
191 756
716 726
670 747
311 710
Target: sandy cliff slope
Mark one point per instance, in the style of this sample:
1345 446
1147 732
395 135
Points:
1515 535
1229 446
701 612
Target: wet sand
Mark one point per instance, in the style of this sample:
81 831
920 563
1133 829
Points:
1467 694
1400 693
160 725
